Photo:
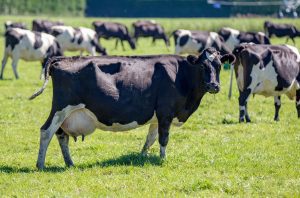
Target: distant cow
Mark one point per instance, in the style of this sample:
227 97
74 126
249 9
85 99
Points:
123 93
78 39
233 38
44 25
29 46
109 30
194 42
268 70
9 24
281 30
150 29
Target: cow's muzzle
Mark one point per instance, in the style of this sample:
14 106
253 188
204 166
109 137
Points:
212 88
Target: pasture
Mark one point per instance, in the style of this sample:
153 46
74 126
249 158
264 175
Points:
210 155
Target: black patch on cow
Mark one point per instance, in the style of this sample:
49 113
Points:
12 38
57 32
111 68
37 40
183 40
77 36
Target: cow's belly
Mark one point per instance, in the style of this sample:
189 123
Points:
84 122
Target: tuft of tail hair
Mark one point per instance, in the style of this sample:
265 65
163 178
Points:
47 75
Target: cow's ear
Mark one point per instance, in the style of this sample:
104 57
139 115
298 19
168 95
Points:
228 57
192 59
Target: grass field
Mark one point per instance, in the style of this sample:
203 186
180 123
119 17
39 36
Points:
210 155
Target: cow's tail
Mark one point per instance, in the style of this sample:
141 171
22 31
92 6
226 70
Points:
47 75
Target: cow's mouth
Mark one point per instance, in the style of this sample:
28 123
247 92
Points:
212 88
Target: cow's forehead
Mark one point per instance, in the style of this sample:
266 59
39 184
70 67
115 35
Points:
211 56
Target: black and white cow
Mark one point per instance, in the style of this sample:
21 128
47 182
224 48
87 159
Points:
194 42
152 29
123 93
281 30
44 25
233 38
77 39
109 30
268 70
10 24
29 46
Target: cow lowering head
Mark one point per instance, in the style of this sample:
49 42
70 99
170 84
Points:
209 62
131 42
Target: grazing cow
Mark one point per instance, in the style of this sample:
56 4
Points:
150 29
123 93
281 30
44 25
233 38
9 24
194 42
29 46
268 70
78 39
109 30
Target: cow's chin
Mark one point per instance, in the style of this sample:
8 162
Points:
213 91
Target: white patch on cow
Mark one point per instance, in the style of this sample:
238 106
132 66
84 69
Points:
240 78
211 57
67 35
298 102
261 33
232 41
162 151
264 82
213 36
190 47
277 101
295 50
242 108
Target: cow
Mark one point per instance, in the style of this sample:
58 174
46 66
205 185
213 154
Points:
109 30
44 25
150 29
268 70
233 38
281 30
194 42
122 93
10 24
29 46
77 39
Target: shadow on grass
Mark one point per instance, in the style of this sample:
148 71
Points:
12 169
132 159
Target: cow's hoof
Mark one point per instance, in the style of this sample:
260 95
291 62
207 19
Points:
276 119
40 166
144 153
248 120
241 120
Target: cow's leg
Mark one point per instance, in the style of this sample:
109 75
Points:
117 41
293 41
4 61
287 39
298 102
81 52
151 137
243 99
63 140
153 41
163 135
14 66
277 104
122 45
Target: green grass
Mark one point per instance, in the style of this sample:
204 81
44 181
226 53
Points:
211 155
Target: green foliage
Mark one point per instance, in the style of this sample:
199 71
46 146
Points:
43 7
211 155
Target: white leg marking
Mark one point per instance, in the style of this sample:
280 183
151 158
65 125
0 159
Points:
242 108
151 137
163 151
277 101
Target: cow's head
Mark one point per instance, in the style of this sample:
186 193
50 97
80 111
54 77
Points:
210 62
131 42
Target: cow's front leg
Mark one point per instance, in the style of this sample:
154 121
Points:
14 66
163 135
117 41
63 140
243 99
122 45
277 104
4 61
298 102
151 137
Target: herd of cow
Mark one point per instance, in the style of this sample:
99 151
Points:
119 93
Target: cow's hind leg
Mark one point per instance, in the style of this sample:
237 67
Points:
163 135
14 66
298 102
63 140
277 104
243 100
151 137
4 61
